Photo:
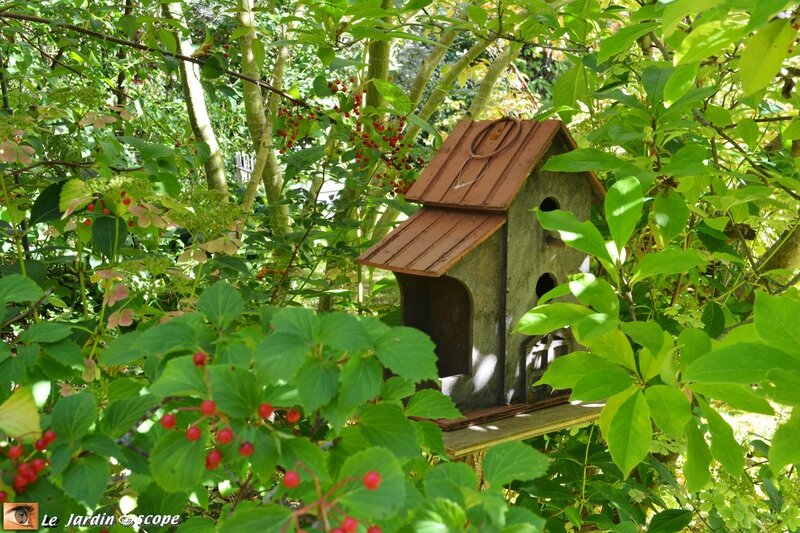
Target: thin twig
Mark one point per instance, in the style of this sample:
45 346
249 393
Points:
27 312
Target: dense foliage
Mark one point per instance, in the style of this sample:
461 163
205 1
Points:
160 353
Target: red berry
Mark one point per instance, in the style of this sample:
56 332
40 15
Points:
293 416
126 201
349 524
168 421
213 459
372 480
265 410
90 207
131 223
38 464
24 469
106 211
15 452
224 436
208 407
193 433
3 496
40 445
200 359
246 449
374 529
291 479
87 222
19 483
49 436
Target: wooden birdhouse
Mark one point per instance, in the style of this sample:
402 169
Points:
474 258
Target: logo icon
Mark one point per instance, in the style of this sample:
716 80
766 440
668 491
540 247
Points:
20 516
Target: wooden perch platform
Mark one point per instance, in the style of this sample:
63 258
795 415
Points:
478 437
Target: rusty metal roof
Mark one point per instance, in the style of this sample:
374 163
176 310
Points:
483 165
432 241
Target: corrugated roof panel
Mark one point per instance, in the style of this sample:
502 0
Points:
432 241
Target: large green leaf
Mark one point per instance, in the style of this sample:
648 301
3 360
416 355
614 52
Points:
235 390
764 53
784 449
176 463
74 415
298 321
317 382
671 214
18 288
781 386
279 356
550 317
360 381
221 303
601 383
739 363
776 320
381 502
86 478
698 457
670 521
394 96
180 378
409 353
511 461
386 425
300 454
566 370
264 519
595 292
623 38
583 236
669 408
630 433
45 207
445 480
624 202
45 332
669 261
19 415
345 332
108 235
121 415
738 396
679 83
708 39
430 403
589 160
724 447
571 87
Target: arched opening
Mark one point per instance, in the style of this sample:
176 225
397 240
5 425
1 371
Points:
544 284
442 308
549 204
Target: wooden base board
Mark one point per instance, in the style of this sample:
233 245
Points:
520 426
479 416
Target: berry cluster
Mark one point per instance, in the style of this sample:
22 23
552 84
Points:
27 470
100 203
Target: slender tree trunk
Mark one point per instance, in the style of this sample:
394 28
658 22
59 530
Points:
266 168
194 95
500 64
784 254
430 63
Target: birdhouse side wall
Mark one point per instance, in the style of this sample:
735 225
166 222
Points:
480 271
533 263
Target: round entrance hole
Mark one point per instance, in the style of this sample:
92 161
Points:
545 283
549 204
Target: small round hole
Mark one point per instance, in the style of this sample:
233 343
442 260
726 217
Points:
545 283
549 204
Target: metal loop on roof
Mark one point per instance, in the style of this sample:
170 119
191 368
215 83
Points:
508 141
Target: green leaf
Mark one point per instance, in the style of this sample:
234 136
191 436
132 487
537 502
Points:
566 370
396 389
433 404
739 363
221 303
583 236
201 524
344 332
264 519
18 288
478 15
724 447
594 325
669 261
317 382
120 350
623 205
386 425
596 293
776 319
792 131
615 347
549 317
75 195
394 96
298 321
713 319
108 235
692 343
589 160
213 67
630 433
445 480
781 386
19 415
176 463
45 207
74 415
601 383
511 461
360 381
698 458
45 332
670 521
571 87
85 479
168 40
622 39
708 39
679 83
279 356
409 353
764 54
671 214
120 416
266 454
784 449
669 408
369 504
165 338
235 390
304 456
737 396
180 378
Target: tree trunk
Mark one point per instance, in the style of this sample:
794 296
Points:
194 95
500 63
784 254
